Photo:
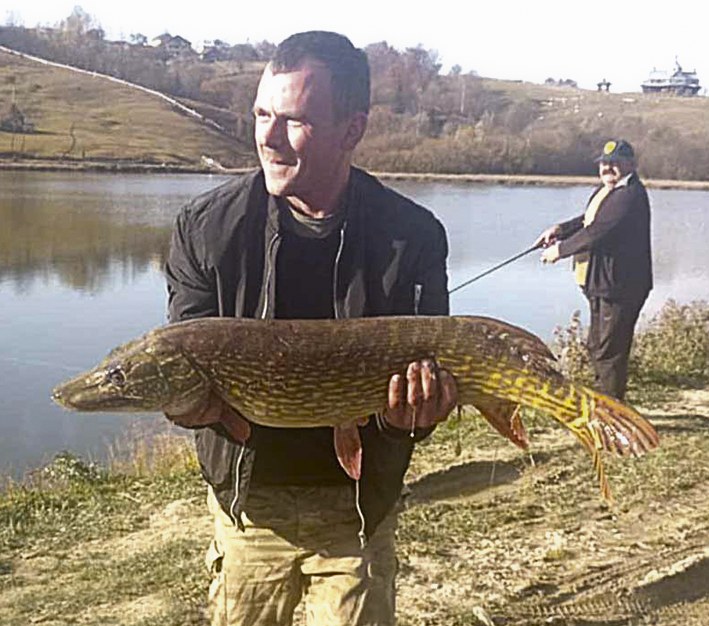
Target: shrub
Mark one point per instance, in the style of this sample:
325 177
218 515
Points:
569 346
673 349
68 468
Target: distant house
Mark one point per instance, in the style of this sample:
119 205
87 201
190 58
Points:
97 34
679 83
216 50
219 50
172 46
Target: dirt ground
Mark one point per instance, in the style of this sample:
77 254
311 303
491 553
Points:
486 537
644 560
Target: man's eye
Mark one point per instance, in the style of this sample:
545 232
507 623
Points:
116 376
295 123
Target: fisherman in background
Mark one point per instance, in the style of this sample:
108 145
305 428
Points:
610 244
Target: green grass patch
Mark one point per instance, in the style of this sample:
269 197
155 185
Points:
59 529
69 500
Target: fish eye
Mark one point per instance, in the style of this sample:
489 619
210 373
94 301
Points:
116 376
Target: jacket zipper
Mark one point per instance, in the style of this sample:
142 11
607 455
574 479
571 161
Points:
269 274
418 290
236 517
358 505
334 273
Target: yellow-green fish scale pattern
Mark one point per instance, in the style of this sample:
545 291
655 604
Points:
326 372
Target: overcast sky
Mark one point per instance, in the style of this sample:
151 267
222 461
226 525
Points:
514 39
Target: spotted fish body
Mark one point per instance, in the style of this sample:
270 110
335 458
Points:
307 373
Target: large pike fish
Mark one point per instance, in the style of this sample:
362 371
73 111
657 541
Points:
306 373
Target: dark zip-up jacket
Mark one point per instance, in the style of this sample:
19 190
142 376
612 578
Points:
618 240
391 261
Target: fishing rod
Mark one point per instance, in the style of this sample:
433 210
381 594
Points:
498 266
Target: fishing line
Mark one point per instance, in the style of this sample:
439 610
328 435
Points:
497 267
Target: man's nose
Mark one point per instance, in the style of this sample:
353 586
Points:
273 132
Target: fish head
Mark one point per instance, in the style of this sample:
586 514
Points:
148 374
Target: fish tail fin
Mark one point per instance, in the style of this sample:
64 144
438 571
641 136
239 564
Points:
599 422
604 424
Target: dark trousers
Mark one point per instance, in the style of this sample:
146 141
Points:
610 337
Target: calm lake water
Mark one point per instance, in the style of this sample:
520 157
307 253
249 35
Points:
81 260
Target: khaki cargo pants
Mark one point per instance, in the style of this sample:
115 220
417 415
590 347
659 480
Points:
300 545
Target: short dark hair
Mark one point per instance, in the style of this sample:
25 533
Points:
348 66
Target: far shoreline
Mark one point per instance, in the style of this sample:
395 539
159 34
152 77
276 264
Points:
134 167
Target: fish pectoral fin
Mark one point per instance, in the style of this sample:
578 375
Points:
236 425
348 448
503 415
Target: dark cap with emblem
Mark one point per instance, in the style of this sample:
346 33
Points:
619 150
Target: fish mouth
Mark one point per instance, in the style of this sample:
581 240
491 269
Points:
77 396
59 397
86 396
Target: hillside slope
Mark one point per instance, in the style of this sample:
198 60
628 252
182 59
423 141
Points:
455 125
81 117
524 128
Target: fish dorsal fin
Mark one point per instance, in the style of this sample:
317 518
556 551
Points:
516 346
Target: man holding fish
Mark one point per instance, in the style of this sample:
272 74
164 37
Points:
298 516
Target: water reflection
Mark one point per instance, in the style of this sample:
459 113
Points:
81 259
79 229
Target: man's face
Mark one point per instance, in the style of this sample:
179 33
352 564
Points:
612 171
302 148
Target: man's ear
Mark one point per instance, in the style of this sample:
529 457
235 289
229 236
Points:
356 127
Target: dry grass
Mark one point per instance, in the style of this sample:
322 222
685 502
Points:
162 454
519 130
485 533
78 116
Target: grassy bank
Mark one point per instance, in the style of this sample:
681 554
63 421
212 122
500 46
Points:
484 532
530 180
489 532
82 544
482 179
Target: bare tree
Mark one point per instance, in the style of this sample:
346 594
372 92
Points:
78 23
